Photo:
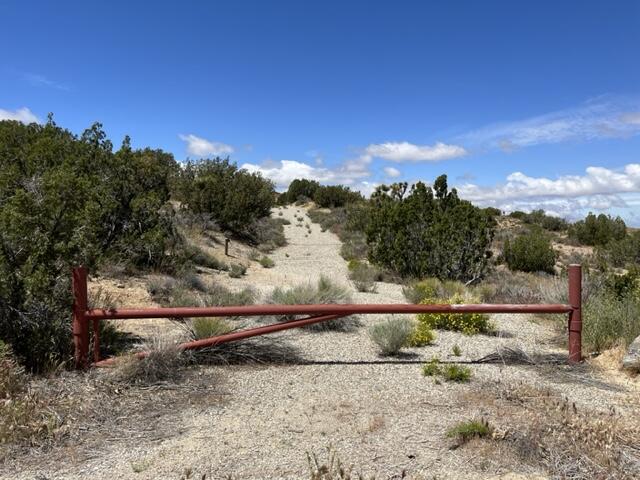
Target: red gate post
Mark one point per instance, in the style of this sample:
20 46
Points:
80 321
575 316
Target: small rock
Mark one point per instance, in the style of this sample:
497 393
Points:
120 285
631 360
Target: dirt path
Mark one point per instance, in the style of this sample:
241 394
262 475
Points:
381 415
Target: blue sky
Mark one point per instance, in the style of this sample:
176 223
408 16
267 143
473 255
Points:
523 105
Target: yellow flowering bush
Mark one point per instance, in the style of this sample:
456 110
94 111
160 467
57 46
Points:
467 323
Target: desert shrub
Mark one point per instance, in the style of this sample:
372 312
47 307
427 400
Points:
164 362
299 189
465 431
418 291
530 252
364 277
268 233
505 286
598 230
621 253
428 232
609 320
12 376
69 200
333 196
456 350
432 368
324 292
456 373
237 270
174 293
354 245
192 256
391 335
235 198
541 219
193 281
205 327
421 335
453 287
266 262
467 323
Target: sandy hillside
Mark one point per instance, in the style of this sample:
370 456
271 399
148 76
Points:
381 415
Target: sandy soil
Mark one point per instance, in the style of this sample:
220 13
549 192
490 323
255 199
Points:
381 415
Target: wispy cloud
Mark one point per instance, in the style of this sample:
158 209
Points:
201 147
603 117
37 80
599 189
392 172
409 152
23 115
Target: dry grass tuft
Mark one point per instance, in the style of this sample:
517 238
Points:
331 468
544 429
164 363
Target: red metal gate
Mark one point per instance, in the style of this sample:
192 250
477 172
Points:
82 316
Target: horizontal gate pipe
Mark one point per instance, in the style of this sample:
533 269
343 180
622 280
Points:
235 336
337 309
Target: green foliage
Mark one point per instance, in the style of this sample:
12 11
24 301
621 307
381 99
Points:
428 232
530 252
206 327
266 262
456 350
268 233
68 200
324 292
418 291
171 292
333 196
541 219
391 335
456 373
622 253
467 323
465 431
299 189
610 320
432 368
598 230
235 198
421 335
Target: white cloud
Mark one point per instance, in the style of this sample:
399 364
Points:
408 152
201 147
598 189
604 117
392 172
23 115
283 172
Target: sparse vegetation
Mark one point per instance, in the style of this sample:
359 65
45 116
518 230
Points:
391 335
467 323
432 368
266 262
363 277
465 431
237 270
164 362
325 291
205 327
456 350
456 373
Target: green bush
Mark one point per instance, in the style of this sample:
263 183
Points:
598 230
335 196
299 189
421 335
467 323
465 431
531 252
610 320
428 232
266 262
432 368
456 373
268 233
418 291
235 198
66 201
324 292
391 335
